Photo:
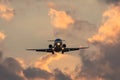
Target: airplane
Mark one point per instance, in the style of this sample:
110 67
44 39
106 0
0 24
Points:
57 47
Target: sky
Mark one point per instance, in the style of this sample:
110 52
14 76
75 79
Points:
31 23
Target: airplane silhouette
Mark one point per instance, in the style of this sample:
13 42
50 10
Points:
58 47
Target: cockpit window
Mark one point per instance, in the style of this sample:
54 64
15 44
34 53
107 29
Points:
58 40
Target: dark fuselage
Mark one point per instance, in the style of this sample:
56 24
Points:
57 48
58 45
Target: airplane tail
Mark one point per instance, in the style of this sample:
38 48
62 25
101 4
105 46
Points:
53 40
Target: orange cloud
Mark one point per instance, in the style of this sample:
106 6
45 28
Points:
6 12
51 5
21 62
2 36
43 63
87 78
60 19
109 31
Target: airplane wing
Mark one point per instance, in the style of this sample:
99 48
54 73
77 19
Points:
41 50
73 49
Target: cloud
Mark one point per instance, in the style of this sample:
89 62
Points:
111 57
99 64
10 69
12 65
51 5
6 12
36 73
76 31
65 23
43 62
111 1
109 31
33 73
60 19
2 36
107 40
1 56
6 75
105 67
42 70
60 76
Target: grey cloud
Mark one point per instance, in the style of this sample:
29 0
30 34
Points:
112 57
12 65
6 75
0 56
32 73
75 31
10 69
110 1
61 76
107 67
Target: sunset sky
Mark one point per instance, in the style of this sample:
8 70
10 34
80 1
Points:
31 27
31 23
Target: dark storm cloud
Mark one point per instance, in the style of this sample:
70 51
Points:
6 75
0 56
110 1
61 76
106 67
112 57
10 69
32 73
91 69
12 65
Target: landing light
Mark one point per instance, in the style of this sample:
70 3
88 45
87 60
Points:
62 48
58 44
52 48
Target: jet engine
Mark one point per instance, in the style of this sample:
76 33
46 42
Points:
50 46
64 45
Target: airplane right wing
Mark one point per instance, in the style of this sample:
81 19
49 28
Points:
41 50
74 49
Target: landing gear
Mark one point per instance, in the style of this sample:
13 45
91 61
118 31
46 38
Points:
53 52
62 52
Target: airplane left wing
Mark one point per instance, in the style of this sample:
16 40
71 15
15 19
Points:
74 49
41 50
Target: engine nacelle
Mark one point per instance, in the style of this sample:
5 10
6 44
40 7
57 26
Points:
50 46
64 45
